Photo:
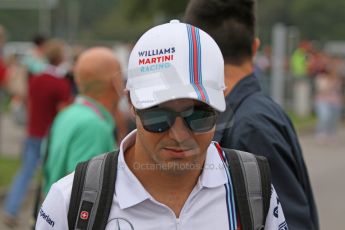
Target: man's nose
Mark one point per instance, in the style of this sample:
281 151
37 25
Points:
179 131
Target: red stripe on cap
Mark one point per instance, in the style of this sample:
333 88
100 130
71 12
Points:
195 64
195 56
203 97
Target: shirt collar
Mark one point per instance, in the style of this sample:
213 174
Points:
104 113
54 71
214 173
130 191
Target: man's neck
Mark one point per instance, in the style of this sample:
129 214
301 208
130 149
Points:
101 99
235 73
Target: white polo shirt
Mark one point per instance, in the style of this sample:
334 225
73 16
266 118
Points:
209 206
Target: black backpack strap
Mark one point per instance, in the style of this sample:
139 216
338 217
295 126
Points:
108 188
77 189
265 182
252 198
92 192
241 195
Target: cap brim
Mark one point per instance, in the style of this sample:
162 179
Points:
144 98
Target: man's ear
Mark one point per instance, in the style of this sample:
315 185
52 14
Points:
255 46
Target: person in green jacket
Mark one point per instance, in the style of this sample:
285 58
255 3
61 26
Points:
299 61
85 128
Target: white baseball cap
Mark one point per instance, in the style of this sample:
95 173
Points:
176 61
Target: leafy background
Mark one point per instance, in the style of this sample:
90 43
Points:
124 20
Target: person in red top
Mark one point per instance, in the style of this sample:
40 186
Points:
2 63
49 92
2 73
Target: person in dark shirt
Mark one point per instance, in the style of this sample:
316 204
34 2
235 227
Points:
252 122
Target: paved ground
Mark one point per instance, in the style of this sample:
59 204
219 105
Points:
324 161
326 169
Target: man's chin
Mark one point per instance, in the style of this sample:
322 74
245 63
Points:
178 167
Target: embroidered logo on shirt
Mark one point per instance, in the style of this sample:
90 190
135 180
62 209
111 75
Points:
283 226
46 218
275 211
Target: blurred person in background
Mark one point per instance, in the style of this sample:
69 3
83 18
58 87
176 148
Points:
48 93
299 60
340 63
2 63
328 101
75 53
253 122
17 88
316 63
35 61
85 128
262 68
20 71
301 82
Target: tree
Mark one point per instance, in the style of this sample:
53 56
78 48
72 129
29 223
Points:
320 20
130 18
127 19
316 19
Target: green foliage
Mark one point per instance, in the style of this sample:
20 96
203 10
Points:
78 19
150 8
319 19
20 25
118 24
316 19
303 123
127 19
8 168
130 18
270 12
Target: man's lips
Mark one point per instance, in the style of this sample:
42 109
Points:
177 152
177 149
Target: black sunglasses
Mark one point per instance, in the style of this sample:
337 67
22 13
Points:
197 118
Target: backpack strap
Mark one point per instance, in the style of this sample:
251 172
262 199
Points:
92 192
77 189
252 196
266 186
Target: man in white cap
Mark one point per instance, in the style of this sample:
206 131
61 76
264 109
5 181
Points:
169 173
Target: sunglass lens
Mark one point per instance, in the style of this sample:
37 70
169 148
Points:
156 121
201 120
